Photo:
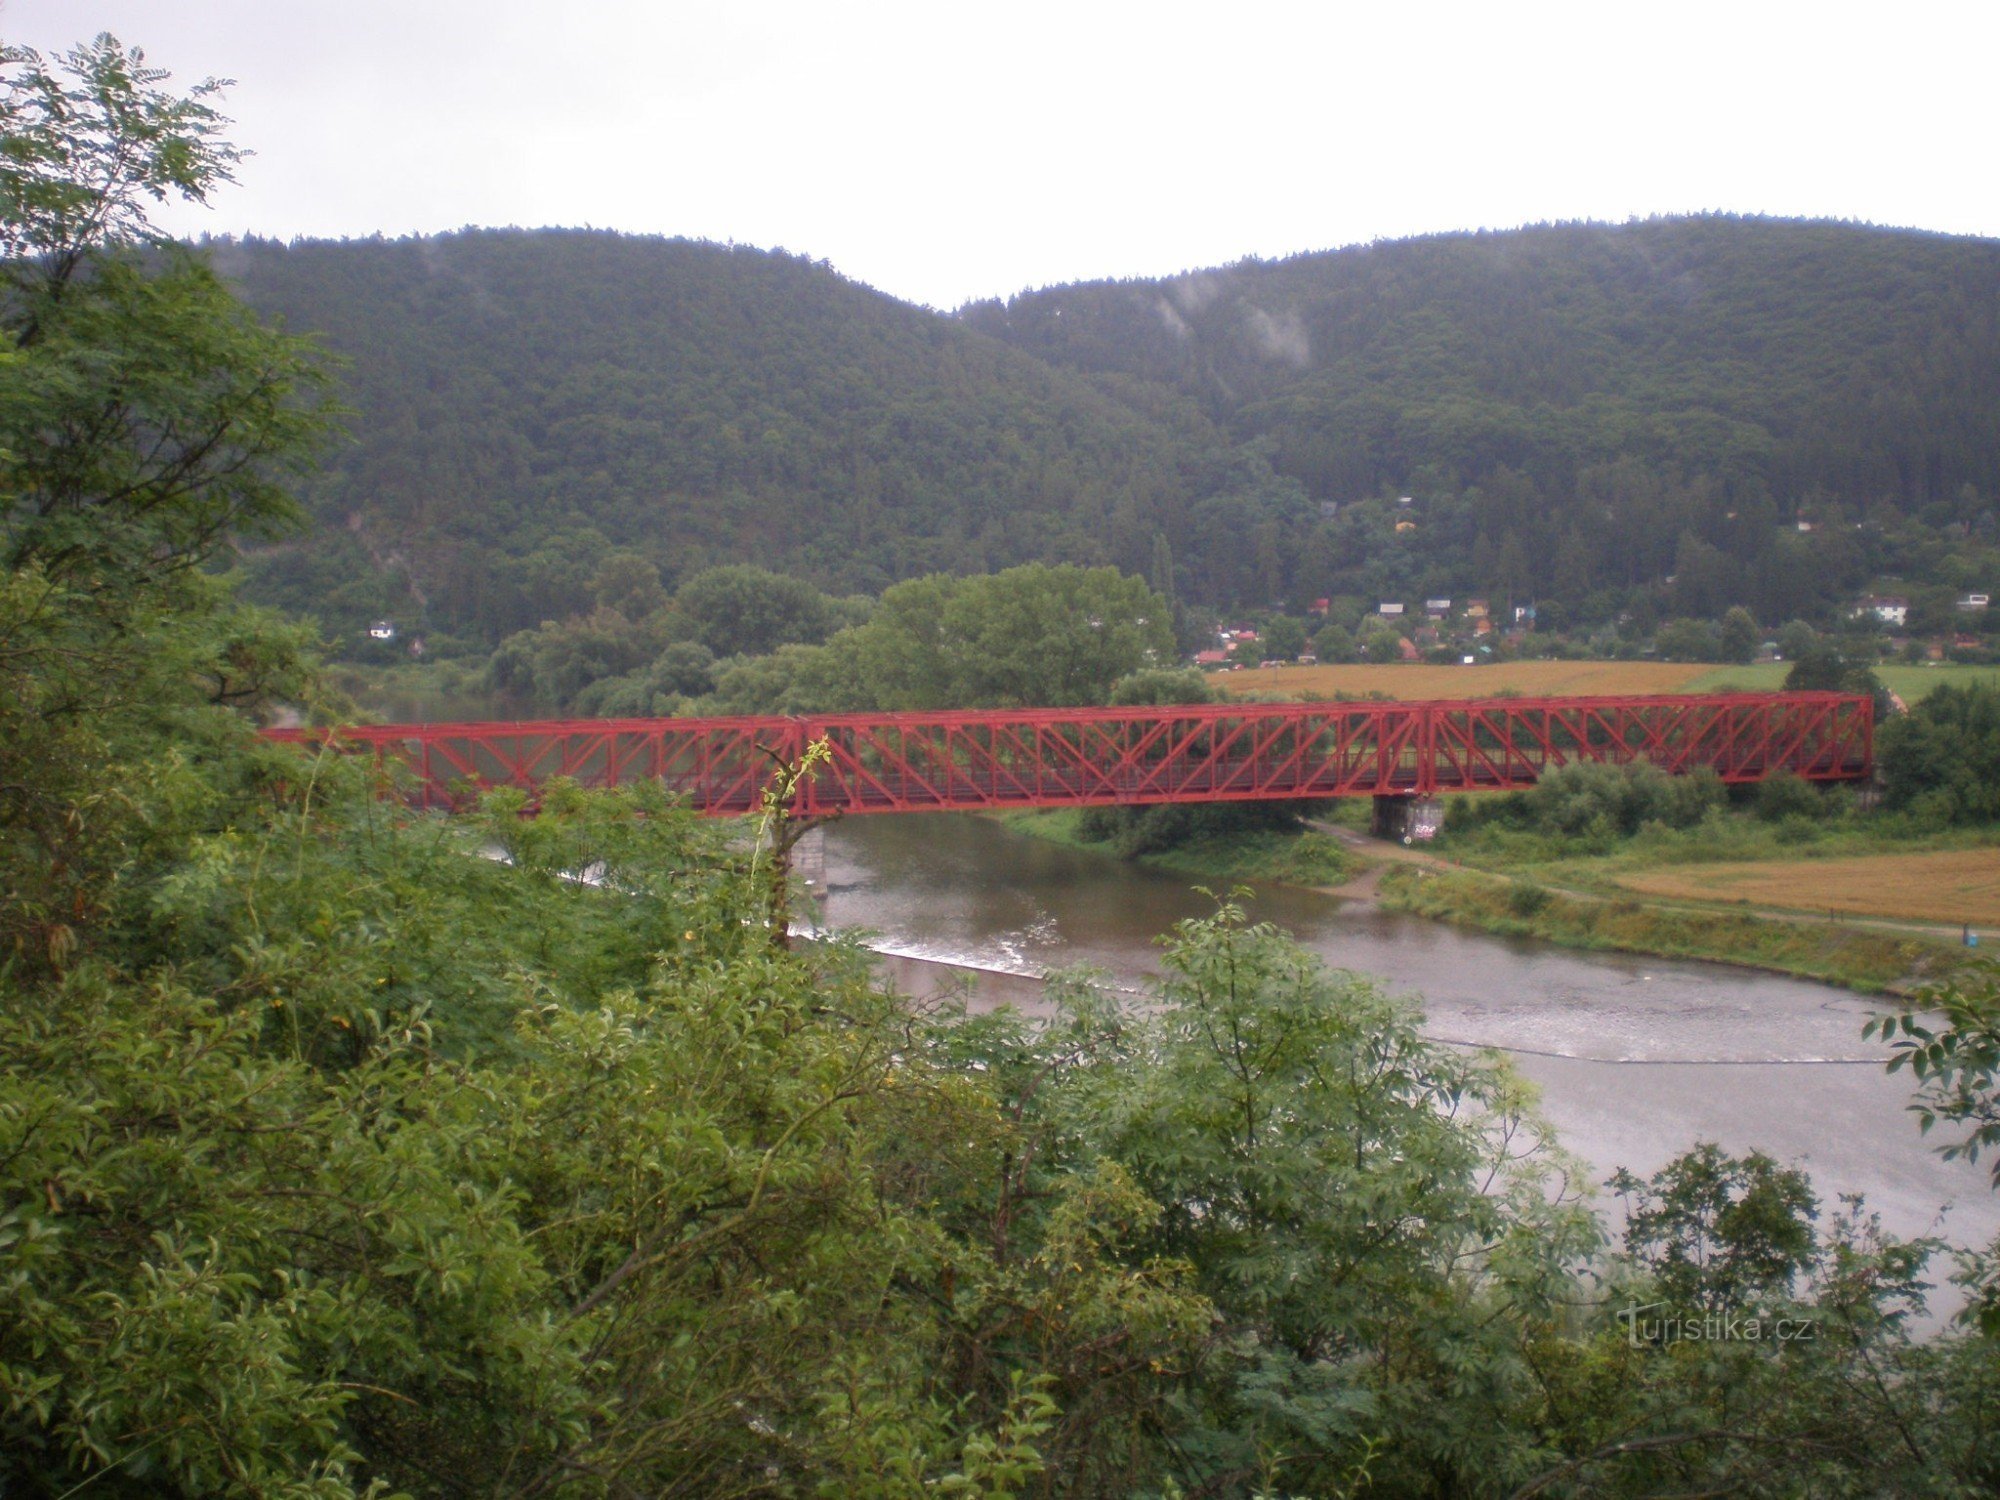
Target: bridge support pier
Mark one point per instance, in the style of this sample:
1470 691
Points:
1406 820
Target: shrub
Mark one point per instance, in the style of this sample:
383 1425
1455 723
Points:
1525 899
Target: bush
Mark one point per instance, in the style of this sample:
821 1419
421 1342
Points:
1786 796
1525 899
1624 798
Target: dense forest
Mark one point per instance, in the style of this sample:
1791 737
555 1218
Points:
524 403
1669 417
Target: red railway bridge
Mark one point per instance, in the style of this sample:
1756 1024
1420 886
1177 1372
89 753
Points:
1076 757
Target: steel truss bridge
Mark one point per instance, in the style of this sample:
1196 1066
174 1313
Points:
1078 757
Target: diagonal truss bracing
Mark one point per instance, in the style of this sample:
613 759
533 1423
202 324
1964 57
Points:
1011 758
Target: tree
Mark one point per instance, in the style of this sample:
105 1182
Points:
149 420
743 611
1737 640
1032 636
1720 1232
1318 1163
1825 668
630 584
146 421
1795 639
1284 638
1334 643
1942 758
1380 643
1687 640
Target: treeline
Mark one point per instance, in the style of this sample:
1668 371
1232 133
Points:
1579 414
742 640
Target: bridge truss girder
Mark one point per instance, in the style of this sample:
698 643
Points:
1028 758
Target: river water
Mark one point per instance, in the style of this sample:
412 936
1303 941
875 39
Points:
1638 1058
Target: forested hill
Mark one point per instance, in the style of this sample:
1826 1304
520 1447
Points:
1859 363
524 399
1579 413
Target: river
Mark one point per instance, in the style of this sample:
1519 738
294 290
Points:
1638 1058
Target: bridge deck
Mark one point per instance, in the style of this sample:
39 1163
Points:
1021 758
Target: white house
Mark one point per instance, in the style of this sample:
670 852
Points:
1890 609
382 630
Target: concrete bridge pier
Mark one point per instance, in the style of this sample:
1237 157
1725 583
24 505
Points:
1406 819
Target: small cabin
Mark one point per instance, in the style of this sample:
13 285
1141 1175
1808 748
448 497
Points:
382 630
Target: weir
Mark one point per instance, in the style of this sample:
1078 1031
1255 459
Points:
995 759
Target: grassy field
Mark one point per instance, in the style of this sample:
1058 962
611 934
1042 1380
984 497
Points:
1528 678
1562 679
1949 885
1907 683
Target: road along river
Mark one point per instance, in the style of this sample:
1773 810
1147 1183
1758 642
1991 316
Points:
1638 1058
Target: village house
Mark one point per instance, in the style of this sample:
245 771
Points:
1890 609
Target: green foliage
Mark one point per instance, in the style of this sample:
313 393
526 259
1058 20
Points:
1825 668
1941 760
1595 802
1283 638
1334 643
1737 638
1950 1041
145 417
1032 636
554 666
348 1152
739 611
1161 687
699 404
1784 795
1720 1233
1688 640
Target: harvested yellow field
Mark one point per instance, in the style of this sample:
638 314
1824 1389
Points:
1532 679
1949 886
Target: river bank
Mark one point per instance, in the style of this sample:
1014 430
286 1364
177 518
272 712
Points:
1854 954
1305 858
1868 959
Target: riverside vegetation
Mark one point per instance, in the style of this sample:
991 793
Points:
338 1161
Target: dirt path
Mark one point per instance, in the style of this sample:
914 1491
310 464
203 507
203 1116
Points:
1380 854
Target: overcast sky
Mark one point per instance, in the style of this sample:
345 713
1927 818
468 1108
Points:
954 149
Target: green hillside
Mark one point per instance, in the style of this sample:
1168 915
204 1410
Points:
524 400
1607 420
1583 408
